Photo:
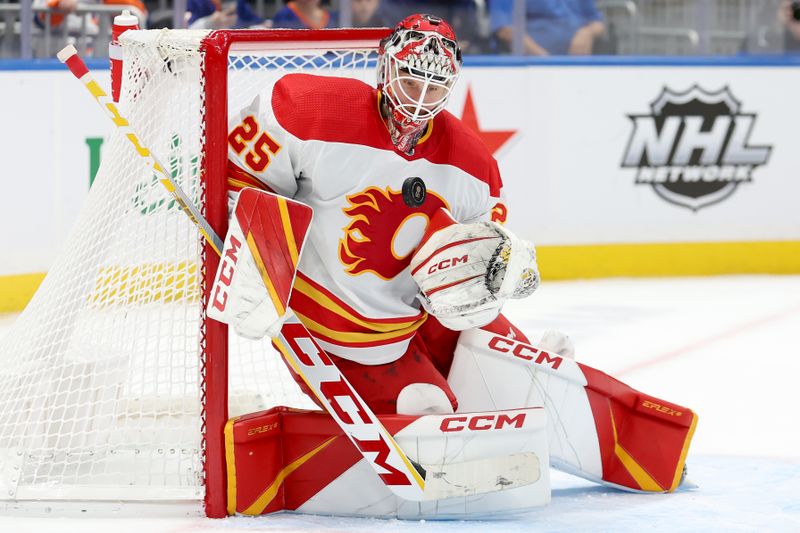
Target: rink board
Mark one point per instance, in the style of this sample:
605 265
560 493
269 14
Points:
565 134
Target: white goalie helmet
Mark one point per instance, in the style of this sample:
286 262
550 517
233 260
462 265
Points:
419 64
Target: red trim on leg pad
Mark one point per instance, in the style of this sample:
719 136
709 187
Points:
643 440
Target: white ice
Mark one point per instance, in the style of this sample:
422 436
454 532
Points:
726 346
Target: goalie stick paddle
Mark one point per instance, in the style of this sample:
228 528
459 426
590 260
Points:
69 56
403 477
406 478
356 419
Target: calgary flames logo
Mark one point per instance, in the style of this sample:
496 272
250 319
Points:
383 231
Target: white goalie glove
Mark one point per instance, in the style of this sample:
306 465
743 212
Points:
466 272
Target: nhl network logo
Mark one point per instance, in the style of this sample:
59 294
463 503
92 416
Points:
693 147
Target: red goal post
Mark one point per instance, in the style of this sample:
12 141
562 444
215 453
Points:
217 48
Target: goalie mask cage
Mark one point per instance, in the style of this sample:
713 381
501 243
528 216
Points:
114 386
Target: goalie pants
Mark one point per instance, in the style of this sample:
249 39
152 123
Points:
427 360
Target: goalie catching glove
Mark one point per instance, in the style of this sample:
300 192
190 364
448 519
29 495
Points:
466 272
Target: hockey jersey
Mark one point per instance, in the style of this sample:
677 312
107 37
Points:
322 141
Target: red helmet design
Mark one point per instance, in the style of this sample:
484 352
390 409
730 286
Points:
419 63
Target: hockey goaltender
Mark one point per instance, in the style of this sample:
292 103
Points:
435 405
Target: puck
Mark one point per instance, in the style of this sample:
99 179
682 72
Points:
414 192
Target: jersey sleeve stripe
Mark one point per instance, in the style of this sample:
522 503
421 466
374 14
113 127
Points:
238 179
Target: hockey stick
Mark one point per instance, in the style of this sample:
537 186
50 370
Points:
412 477
359 423
69 56
403 477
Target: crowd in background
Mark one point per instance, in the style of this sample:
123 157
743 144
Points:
483 26
551 27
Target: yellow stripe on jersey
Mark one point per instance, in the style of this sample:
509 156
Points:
325 301
238 183
356 337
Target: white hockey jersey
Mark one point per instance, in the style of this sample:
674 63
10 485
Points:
322 141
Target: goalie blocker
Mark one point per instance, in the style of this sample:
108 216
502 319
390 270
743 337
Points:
258 263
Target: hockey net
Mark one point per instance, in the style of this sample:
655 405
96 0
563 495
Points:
113 385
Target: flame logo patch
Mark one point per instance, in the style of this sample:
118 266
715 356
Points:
383 231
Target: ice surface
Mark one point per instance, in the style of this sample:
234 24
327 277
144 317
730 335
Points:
726 347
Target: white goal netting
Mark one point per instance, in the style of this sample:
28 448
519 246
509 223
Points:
101 378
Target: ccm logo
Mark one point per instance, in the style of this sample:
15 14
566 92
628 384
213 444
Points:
481 422
344 404
447 263
226 274
524 352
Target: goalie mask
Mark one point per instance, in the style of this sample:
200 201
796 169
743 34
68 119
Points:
419 63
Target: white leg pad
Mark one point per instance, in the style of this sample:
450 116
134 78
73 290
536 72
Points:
482 382
485 379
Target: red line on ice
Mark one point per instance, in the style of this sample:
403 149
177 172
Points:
731 332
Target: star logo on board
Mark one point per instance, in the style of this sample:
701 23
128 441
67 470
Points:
494 139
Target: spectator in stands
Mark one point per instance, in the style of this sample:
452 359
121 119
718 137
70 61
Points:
463 16
61 10
308 14
213 15
791 23
63 14
554 27
210 15
773 32
370 14
68 26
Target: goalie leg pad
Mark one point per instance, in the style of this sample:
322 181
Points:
382 386
598 427
287 459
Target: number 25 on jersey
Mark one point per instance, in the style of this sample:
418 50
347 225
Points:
261 145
